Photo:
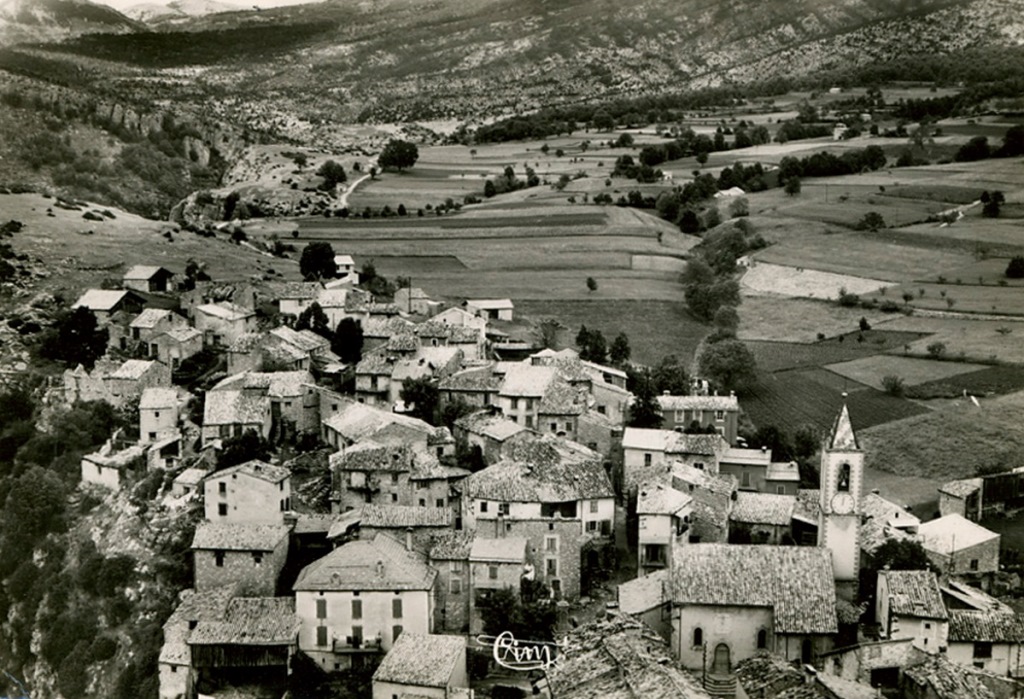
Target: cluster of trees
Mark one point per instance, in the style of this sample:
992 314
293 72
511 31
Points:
398 155
594 348
76 338
626 167
978 147
647 383
796 130
346 339
508 182
829 165
333 174
991 203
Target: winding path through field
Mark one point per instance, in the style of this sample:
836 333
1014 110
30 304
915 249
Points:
343 199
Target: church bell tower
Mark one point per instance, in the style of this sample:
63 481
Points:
842 477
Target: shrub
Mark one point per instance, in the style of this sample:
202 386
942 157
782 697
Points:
1015 269
848 300
893 385
889 306
936 349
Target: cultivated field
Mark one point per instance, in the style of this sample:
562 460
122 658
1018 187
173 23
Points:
950 443
970 339
780 280
871 370
779 356
990 381
780 319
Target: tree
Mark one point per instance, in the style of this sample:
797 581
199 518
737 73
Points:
423 396
1015 269
671 376
595 347
864 324
506 611
739 207
245 447
76 339
729 364
893 385
689 222
872 221
705 292
317 262
975 149
644 411
936 349
603 121
347 342
992 207
620 351
727 320
398 154
489 189
333 174
591 284
894 554
702 158
314 318
1013 142
453 410
34 507
793 186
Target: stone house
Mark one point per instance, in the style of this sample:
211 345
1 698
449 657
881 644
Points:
417 525
415 301
158 413
713 498
345 422
962 497
424 665
474 386
244 554
427 363
244 294
989 639
223 323
254 492
148 279
177 345
332 302
373 379
177 677
147 326
378 331
720 412
763 518
105 303
278 405
360 598
737 600
345 266
959 547
556 494
522 391
663 515
495 564
908 604
133 377
295 297
648 453
188 482
449 556
493 309
458 317
112 469
488 433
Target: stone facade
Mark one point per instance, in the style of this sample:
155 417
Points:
257 578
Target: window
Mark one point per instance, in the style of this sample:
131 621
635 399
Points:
321 609
601 409
423 502
396 608
843 481
218 558
396 631
455 586
439 502
551 567
334 407
927 627
745 480
647 459
257 558
394 478
982 650
394 497
762 639
503 508
719 415
974 564
698 637
492 572
455 567
357 635
592 526
222 488
483 506
152 436
529 421
321 635
780 490
357 609
551 544
698 464
593 506
554 427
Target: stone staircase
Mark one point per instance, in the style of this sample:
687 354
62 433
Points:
720 686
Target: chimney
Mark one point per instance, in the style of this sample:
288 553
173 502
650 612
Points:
876 491
408 538
290 519
764 450
666 393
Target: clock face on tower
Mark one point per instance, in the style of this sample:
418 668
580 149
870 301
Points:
842 503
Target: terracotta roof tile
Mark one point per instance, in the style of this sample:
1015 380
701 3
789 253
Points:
402 516
763 508
378 564
424 660
250 621
220 536
914 593
452 545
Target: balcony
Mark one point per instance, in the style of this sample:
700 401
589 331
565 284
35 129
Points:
357 644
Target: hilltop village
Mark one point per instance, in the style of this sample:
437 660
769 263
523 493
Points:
375 512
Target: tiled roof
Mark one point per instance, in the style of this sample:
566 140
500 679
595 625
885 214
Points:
962 488
191 476
949 680
182 334
100 299
763 508
332 298
808 507
972 597
422 659
304 340
620 658
427 467
383 309
767 675
452 545
842 436
313 523
378 564
646 592
294 290
250 621
717 483
405 342
461 335
255 469
490 304
645 438
370 456
226 310
698 444
842 688
486 424
432 328
358 421
150 317
223 536
476 379
402 516
969 626
411 369
142 272
746 457
158 397
377 364
727 403
133 369
509 549
796 581
562 399
541 470
953 533
527 380
247 342
386 327
660 499
782 471
914 593
193 607
234 407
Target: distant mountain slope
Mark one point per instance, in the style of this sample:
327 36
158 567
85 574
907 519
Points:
155 13
47 20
